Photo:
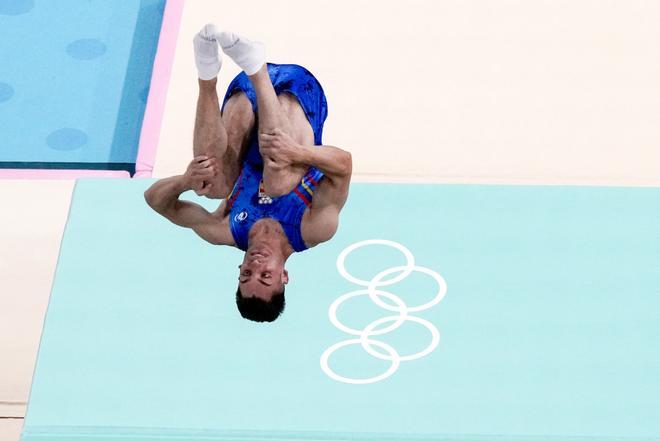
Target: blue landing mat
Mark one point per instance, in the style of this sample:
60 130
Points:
549 328
74 81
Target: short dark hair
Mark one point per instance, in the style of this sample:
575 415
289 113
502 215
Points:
259 310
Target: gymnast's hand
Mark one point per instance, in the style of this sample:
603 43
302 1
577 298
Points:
201 170
278 148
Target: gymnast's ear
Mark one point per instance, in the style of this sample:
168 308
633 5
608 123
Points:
285 276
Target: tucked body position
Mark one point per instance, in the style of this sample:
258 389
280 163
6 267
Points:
261 153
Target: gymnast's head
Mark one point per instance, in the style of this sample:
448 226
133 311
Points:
261 280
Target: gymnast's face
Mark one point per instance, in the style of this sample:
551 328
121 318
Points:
262 274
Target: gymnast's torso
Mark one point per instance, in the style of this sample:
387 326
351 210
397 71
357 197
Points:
247 203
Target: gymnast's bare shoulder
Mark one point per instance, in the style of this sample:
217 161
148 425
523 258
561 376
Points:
163 197
321 220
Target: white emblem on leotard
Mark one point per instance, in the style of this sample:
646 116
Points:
240 217
263 197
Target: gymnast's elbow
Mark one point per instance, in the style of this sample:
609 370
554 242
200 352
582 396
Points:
150 198
342 163
156 203
347 163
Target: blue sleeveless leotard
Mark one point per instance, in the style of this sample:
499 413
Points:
247 203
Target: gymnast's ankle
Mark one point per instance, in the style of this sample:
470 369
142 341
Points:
207 85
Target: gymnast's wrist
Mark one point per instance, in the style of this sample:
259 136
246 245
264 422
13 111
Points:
183 183
304 155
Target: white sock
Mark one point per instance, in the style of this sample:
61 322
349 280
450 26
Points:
207 57
249 55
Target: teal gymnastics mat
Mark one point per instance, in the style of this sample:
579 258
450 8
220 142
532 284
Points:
476 313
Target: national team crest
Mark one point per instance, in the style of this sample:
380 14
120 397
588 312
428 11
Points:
263 197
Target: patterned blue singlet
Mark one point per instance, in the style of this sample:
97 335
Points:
247 202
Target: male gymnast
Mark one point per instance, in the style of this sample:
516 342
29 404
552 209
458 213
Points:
262 152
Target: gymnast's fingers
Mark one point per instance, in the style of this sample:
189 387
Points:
205 190
204 163
265 137
206 172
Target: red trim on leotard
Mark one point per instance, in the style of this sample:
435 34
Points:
233 199
301 196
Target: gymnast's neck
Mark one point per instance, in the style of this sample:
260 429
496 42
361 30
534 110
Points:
268 234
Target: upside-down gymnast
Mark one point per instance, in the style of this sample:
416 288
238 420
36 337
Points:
261 152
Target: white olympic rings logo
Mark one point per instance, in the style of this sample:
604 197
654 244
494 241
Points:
399 306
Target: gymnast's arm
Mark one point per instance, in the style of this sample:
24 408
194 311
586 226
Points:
335 163
163 197
331 193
